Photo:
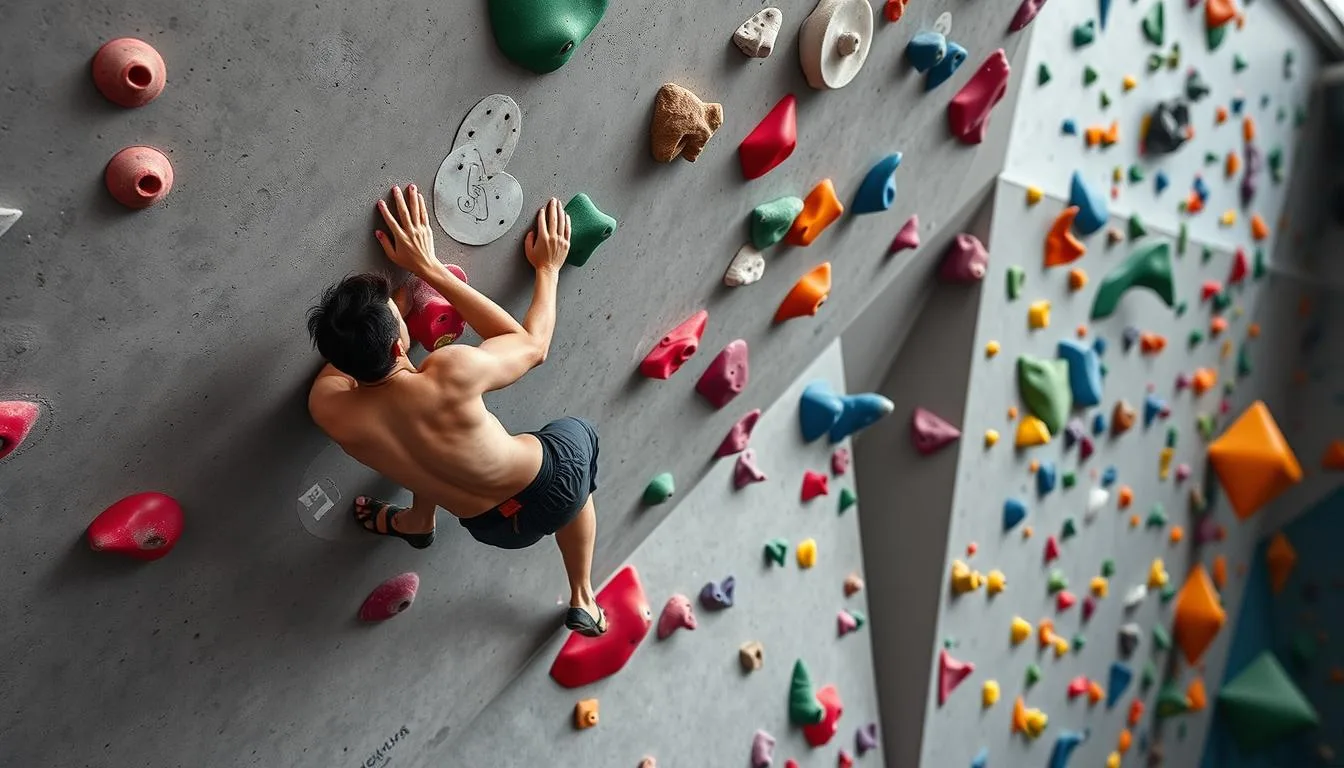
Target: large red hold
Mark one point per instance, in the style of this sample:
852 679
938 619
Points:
814 484
390 598
433 321
772 141
821 733
17 418
968 112
129 72
144 526
726 376
583 660
675 348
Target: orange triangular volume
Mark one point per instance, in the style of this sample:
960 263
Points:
1280 558
807 295
1061 247
1334 456
1019 716
1199 614
1195 694
1253 461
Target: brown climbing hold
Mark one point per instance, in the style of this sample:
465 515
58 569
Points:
1333 458
853 584
807 295
1061 247
751 655
1123 417
682 124
820 209
17 418
585 714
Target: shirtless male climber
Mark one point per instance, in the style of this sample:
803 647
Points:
428 429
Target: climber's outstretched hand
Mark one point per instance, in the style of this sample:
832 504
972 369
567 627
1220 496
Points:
547 246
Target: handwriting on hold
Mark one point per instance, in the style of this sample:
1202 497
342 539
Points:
473 203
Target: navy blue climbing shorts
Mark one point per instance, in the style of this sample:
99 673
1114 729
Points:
567 477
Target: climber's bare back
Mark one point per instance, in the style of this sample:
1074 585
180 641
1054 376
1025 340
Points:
430 432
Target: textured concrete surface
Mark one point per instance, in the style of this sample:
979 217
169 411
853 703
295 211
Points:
168 344
685 700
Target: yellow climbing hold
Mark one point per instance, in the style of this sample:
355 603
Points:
1038 314
989 693
991 348
1164 463
1100 586
1228 218
1113 760
991 437
1031 431
1032 721
1034 195
1061 646
1157 574
995 582
807 553
964 579
1021 630
1129 83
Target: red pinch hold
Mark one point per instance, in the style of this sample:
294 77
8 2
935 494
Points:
772 141
433 321
390 598
968 112
674 349
727 376
144 526
17 418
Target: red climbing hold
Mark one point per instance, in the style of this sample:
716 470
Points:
139 177
738 437
17 418
433 322
1064 601
1210 289
843 760
772 141
840 461
726 376
390 598
819 734
144 526
745 471
129 72
814 484
1026 12
677 614
894 10
1240 267
1077 687
965 261
675 348
907 238
968 112
1051 549
929 432
583 660
950 674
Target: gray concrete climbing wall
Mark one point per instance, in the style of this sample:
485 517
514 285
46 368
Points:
168 350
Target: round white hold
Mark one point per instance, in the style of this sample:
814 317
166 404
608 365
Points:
834 42
747 267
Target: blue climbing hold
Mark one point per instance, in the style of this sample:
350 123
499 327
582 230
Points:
1105 12
1046 477
1109 476
981 759
925 50
944 69
1201 188
1069 127
1118 682
1084 372
1064 746
1014 512
1098 424
878 190
1152 406
859 411
1161 182
819 409
1092 211
1099 344
1238 104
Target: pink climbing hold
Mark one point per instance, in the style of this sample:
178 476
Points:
814 484
1064 600
1182 382
726 377
790 763
845 623
1089 607
1051 549
966 260
390 598
433 322
144 526
1182 472
17 418
968 112
1240 267
738 437
129 72
950 674
583 660
907 238
745 472
819 734
1207 530
139 177
771 141
844 760
929 432
674 349
840 461
1026 13
677 614
1078 686
762 750
1210 289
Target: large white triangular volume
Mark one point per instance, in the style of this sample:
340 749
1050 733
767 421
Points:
7 218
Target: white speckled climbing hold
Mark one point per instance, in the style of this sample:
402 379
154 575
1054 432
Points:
1097 498
7 218
493 125
1135 596
943 24
756 37
747 267
834 41
472 205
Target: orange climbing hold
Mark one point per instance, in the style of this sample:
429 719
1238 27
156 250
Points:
1233 164
1204 380
1135 713
807 295
1334 456
1220 571
1248 128
1220 115
1280 558
1125 497
1152 343
1199 614
820 209
1111 135
1259 229
1253 461
1195 696
1061 247
1194 203
1093 135
1217 325
1077 280
1176 534
1253 330
1126 739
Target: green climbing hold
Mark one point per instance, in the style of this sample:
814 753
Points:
1155 62
859 618
1171 700
804 709
1089 75
1259 268
775 550
1161 638
1239 62
1043 74
1105 100
1205 255
949 642
1105 369
1183 239
1078 642
1215 36
1148 676
1084 34
1167 592
770 221
1044 387
1210 158
1136 228
1276 164
1069 479
1243 362
1181 306
659 489
1221 301
1069 529
1033 674
1155 24
1015 277
847 500
1262 706
1196 337
1229 387
1108 567
1136 174
1148 267
541 35
1157 518
1207 426
1174 58
1172 434
1057 581
589 228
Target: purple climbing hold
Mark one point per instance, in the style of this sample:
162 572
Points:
762 750
726 376
1206 530
1129 336
1089 606
907 238
1250 179
677 614
745 472
865 739
929 432
1182 381
739 435
1026 12
966 260
716 597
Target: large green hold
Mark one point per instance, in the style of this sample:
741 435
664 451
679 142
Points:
1154 24
1044 386
1261 705
659 489
542 34
804 709
1148 267
771 221
590 228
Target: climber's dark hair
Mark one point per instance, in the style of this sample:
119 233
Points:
353 327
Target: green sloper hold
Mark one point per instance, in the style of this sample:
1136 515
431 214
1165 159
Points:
1068 530
590 228
1239 62
1161 638
1171 700
1135 174
1148 267
1105 100
1084 34
771 221
1215 36
847 499
1155 24
1043 74
1157 518
1057 581
1044 386
1089 75
859 618
541 35
1033 674
1136 228
1078 642
1069 479
1015 278
1196 337
1206 255
804 709
1210 158
1221 301
659 489
1181 306
1261 705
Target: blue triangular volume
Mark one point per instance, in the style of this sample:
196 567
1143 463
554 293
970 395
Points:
1118 682
1068 741
1152 406
1105 12
1014 512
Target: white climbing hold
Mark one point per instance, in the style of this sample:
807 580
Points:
943 24
1135 596
1097 498
746 267
473 206
834 42
756 37
7 218
493 125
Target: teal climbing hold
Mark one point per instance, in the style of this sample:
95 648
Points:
1105 100
1171 700
659 489
878 190
1044 386
1161 638
1089 75
1239 62
1033 674
770 221
1135 174
775 550
1014 512
1084 372
1043 74
1108 568
1149 675
1068 530
1215 36
1262 706
1103 11
1136 227
1117 682
804 708
1196 337
1206 255
947 67
542 35
1243 362
1154 24
1172 434
981 759
1067 742
1092 211
847 499
1221 301
925 50
589 228
1260 268
1149 266
1015 278
819 408
1084 34
857 412
1181 306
